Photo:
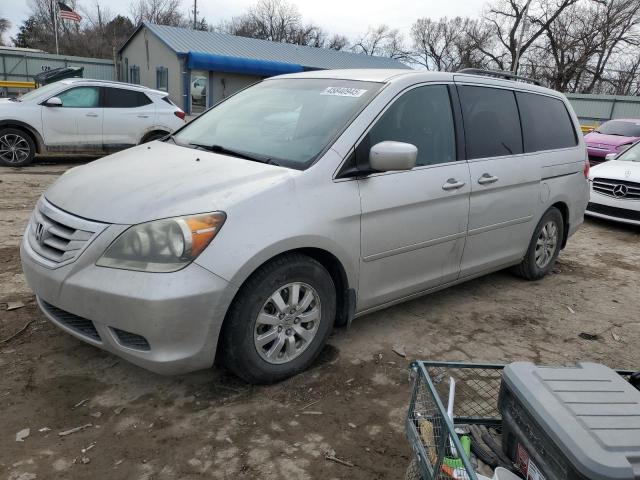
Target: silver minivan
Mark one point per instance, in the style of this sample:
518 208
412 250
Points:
300 203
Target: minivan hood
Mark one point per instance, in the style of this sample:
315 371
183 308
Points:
617 170
160 180
595 138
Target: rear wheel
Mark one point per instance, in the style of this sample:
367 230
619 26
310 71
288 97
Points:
17 148
544 247
280 320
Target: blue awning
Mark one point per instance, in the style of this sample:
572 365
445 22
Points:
248 66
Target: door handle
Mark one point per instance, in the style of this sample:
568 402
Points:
143 116
453 184
486 179
92 114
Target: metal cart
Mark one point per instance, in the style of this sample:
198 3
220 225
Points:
430 430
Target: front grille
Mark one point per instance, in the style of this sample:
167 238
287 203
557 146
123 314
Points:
74 322
614 212
620 189
131 340
58 237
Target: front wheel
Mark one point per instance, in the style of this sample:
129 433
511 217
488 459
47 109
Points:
17 149
280 320
544 247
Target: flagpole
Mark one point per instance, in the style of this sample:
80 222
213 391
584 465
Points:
55 24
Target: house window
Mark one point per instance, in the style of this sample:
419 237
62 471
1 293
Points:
162 78
134 74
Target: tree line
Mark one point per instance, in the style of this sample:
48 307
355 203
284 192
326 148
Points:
585 46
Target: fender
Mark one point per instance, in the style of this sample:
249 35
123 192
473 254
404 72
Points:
39 141
154 128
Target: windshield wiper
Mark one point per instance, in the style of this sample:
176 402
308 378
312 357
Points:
235 153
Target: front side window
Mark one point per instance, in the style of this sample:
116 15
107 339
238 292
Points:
546 124
620 128
287 121
422 117
123 98
491 122
80 97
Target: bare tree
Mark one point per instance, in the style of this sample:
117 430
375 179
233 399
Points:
337 42
506 17
160 12
382 41
446 44
4 26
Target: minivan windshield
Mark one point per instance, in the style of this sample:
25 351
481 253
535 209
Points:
621 128
286 122
631 155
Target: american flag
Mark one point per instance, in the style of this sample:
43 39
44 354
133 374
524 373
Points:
67 12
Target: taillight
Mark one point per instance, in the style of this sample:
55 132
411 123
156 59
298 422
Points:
586 169
179 114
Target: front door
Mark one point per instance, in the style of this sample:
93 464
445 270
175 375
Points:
505 183
77 124
414 222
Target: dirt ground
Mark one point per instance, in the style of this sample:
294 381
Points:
211 425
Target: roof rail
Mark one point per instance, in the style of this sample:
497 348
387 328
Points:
499 74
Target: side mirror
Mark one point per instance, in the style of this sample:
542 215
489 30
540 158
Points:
53 102
389 156
610 156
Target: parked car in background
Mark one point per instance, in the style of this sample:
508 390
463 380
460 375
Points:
615 187
302 202
83 116
614 136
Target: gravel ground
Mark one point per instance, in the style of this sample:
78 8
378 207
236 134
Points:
210 425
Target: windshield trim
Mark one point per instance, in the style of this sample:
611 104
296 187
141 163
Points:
313 160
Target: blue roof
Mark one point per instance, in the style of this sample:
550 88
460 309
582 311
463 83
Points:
183 41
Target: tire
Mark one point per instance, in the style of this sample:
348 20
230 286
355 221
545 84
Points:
154 136
17 148
413 471
256 326
535 264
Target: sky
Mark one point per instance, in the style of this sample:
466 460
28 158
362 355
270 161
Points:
347 17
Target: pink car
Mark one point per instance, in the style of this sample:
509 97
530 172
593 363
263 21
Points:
614 136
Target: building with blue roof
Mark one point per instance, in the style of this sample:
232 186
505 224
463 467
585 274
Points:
200 68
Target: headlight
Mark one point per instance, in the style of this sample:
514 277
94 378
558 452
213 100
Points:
162 245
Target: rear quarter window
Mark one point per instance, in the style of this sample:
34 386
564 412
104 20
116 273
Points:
546 124
122 98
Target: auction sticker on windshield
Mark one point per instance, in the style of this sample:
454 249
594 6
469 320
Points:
344 91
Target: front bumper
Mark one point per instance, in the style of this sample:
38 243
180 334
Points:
179 314
609 208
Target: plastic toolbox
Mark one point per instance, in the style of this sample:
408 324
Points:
570 423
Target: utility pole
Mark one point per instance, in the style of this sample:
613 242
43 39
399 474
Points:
524 26
195 14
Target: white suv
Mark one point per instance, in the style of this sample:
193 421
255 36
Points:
83 116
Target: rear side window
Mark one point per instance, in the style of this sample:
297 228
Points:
421 117
491 122
121 98
546 123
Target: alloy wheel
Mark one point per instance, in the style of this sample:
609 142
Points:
14 148
546 244
287 323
